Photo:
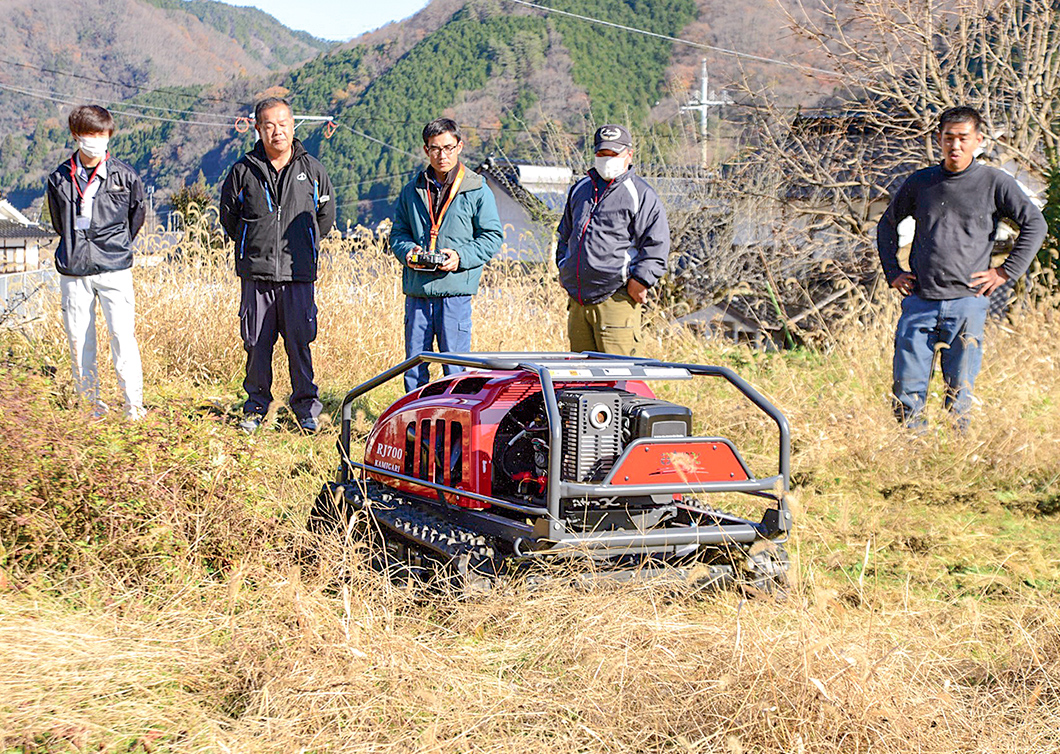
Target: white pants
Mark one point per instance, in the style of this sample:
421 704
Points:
115 293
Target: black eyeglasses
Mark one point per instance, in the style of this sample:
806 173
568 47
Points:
447 150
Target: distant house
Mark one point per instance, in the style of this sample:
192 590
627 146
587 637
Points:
529 201
20 240
23 271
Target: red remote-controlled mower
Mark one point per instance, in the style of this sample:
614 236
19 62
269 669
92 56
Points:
529 458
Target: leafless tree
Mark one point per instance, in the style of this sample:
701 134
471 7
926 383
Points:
816 181
901 62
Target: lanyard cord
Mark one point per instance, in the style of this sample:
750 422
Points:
436 224
73 174
592 211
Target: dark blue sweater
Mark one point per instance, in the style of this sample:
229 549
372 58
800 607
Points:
956 218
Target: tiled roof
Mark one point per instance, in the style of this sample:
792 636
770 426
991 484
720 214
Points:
9 229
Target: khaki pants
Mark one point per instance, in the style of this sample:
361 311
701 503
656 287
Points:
611 326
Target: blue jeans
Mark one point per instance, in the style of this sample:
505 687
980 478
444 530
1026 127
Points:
956 328
445 318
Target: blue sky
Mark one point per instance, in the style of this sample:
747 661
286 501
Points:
335 19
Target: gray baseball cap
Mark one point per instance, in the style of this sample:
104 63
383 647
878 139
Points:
612 137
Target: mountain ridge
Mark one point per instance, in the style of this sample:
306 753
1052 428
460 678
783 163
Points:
524 83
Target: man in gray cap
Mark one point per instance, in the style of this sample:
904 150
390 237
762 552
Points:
612 246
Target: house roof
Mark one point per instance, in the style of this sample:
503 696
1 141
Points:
8 212
509 181
857 155
11 229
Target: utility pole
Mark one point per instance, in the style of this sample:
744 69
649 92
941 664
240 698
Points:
152 219
707 100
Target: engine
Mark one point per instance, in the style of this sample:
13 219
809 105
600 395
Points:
488 433
598 423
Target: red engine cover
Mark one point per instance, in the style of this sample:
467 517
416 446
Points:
445 431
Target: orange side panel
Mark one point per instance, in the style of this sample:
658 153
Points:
662 462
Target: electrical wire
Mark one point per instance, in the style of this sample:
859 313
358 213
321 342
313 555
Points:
678 40
66 101
372 180
93 79
26 90
50 96
377 141
390 198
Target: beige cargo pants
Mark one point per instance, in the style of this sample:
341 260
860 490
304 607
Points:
611 326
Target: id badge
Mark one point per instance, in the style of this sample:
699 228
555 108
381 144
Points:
82 223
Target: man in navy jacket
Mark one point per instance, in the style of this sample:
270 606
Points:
276 205
612 245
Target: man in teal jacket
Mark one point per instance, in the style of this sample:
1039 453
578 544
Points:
449 209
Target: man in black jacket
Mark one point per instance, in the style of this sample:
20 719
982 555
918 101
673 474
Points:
276 205
957 206
612 244
96 203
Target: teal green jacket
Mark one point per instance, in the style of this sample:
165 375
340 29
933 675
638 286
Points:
471 227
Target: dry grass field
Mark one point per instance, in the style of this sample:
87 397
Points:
158 592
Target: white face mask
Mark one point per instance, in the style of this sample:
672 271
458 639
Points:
611 168
93 146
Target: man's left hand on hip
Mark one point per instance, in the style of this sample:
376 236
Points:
988 281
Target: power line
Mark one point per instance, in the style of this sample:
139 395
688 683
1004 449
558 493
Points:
373 180
390 198
70 74
65 101
125 103
377 141
111 82
678 40
470 126
50 97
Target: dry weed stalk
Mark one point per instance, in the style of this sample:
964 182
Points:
924 618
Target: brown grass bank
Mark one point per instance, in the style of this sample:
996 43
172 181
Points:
155 592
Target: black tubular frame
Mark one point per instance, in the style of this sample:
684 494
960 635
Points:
558 489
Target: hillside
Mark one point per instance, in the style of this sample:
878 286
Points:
148 42
529 85
112 50
523 84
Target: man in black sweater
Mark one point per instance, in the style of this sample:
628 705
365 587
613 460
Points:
957 206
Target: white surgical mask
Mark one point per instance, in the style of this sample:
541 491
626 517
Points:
93 146
611 168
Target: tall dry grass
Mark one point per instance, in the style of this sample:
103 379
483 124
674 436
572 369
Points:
157 591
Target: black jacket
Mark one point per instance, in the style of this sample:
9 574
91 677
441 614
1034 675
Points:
276 223
117 216
611 231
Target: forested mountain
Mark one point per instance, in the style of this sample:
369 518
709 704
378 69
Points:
58 51
522 83
519 83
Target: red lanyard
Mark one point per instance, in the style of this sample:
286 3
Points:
73 175
592 210
435 224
